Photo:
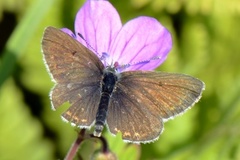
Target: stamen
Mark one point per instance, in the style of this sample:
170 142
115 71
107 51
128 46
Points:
104 56
116 65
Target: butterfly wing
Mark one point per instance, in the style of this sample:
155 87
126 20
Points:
142 100
77 73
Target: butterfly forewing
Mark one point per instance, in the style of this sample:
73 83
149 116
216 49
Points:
67 59
141 100
77 72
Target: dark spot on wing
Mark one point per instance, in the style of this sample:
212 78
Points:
74 52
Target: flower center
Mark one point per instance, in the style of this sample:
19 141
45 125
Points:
120 67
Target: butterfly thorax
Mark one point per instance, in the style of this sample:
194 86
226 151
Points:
108 83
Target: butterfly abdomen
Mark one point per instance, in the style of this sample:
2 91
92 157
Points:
108 83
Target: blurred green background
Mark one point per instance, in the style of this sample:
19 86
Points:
206 45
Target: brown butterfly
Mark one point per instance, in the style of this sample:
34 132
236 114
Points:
135 103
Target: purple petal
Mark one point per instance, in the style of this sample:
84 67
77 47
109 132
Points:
99 23
141 39
69 32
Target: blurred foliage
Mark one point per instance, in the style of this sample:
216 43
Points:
206 45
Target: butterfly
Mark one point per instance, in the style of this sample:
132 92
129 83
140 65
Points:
135 103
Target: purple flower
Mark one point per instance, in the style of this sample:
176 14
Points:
141 44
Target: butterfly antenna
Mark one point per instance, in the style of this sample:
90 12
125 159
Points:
88 45
124 66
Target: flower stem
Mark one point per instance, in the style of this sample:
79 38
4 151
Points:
74 148
105 148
